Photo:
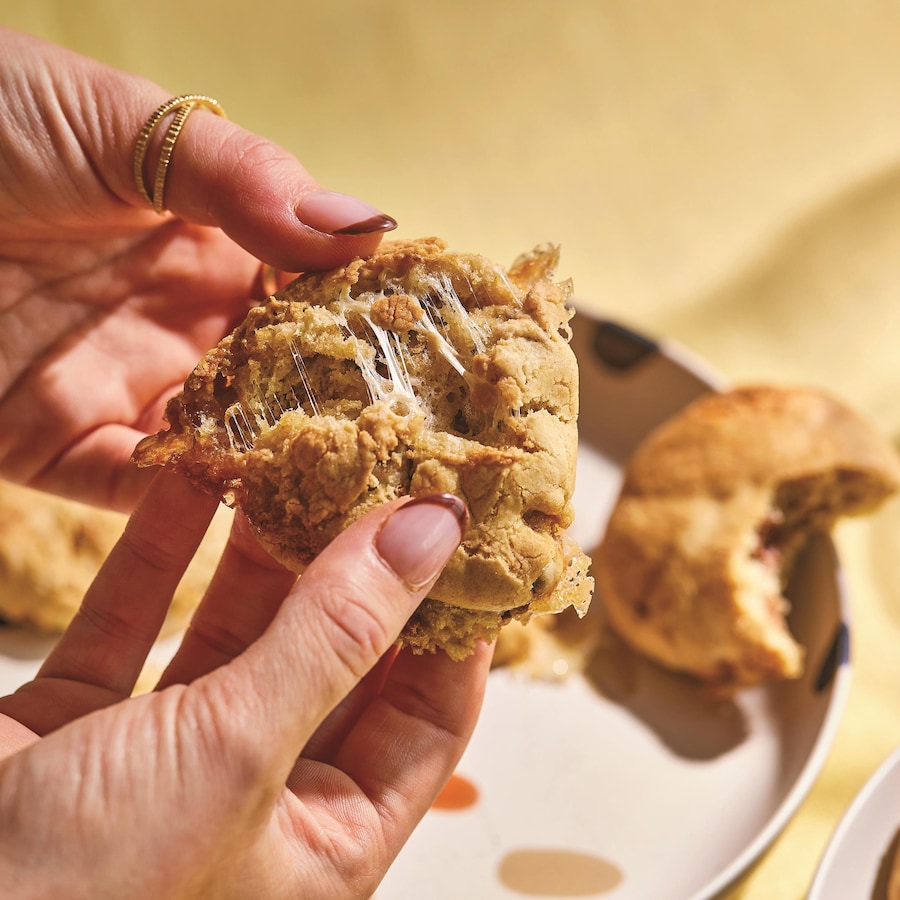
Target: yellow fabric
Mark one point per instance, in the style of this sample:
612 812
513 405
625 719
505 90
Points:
724 174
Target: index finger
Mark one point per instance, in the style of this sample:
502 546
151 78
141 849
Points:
97 660
220 174
263 198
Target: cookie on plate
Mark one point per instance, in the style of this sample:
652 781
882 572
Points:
715 505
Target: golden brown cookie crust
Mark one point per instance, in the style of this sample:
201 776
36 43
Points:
413 371
714 507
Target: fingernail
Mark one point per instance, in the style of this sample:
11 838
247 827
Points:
419 538
334 213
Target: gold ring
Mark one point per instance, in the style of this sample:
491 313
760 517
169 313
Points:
182 106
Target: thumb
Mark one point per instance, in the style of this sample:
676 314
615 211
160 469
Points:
340 618
78 123
264 199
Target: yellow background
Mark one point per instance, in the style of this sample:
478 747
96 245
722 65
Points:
726 174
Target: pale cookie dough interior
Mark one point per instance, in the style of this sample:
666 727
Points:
413 371
715 505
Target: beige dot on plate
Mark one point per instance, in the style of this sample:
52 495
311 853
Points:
538 872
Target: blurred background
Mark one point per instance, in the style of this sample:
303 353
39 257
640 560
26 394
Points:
724 175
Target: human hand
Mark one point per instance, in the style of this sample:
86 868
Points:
105 306
288 751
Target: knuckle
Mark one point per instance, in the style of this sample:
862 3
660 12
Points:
347 837
111 623
217 637
250 153
424 706
359 860
354 629
160 552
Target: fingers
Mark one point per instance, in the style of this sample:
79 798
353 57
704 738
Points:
407 741
257 193
84 119
14 736
100 655
245 593
338 621
328 738
124 608
98 470
269 280
263 198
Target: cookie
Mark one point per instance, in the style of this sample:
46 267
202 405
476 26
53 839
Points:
715 506
410 372
52 548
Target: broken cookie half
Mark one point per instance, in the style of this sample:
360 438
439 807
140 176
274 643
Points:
410 372
715 506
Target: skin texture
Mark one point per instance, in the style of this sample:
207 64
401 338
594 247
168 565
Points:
104 305
288 746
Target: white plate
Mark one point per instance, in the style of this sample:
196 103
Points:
641 787
859 855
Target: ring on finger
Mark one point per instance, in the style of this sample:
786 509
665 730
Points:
182 106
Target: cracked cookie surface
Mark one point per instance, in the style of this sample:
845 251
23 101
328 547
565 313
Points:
410 372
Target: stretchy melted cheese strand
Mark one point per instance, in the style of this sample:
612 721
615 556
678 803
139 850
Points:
414 371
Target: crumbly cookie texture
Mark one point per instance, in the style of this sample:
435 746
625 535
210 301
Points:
410 372
52 548
715 505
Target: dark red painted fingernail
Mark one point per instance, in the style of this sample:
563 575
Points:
334 213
